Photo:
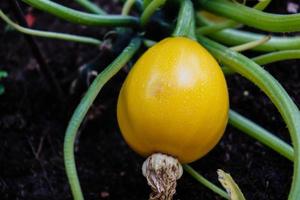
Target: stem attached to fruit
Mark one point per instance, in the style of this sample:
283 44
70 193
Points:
162 172
185 26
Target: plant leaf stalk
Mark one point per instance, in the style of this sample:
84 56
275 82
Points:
252 17
261 5
83 18
237 37
205 182
270 58
150 9
83 108
262 135
185 26
277 56
48 34
250 45
89 6
127 7
287 108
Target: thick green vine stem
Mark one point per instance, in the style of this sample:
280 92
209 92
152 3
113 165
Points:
237 37
261 5
83 108
274 91
127 7
261 134
146 3
150 9
270 58
205 182
205 30
83 18
185 26
253 17
277 56
91 7
47 34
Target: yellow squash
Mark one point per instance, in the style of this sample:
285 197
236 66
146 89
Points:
174 101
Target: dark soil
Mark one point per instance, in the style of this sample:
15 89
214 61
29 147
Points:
33 121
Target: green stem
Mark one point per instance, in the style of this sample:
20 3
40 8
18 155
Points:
79 17
150 9
277 56
149 43
270 58
89 6
127 7
146 3
205 182
47 34
216 27
185 26
83 108
2 89
3 74
261 134
253 17
251 45
274 91
261 5
237 37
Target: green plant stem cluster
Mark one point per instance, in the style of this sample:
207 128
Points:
83 18
252 17
284 47
48 34
261 5
238 37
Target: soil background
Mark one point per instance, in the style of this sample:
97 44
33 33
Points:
33 120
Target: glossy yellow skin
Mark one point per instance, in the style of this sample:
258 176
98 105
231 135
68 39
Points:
174 101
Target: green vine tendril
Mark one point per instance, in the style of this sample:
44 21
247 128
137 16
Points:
83 108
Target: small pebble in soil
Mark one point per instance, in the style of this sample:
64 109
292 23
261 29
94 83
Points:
292 7
104 194
246 93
